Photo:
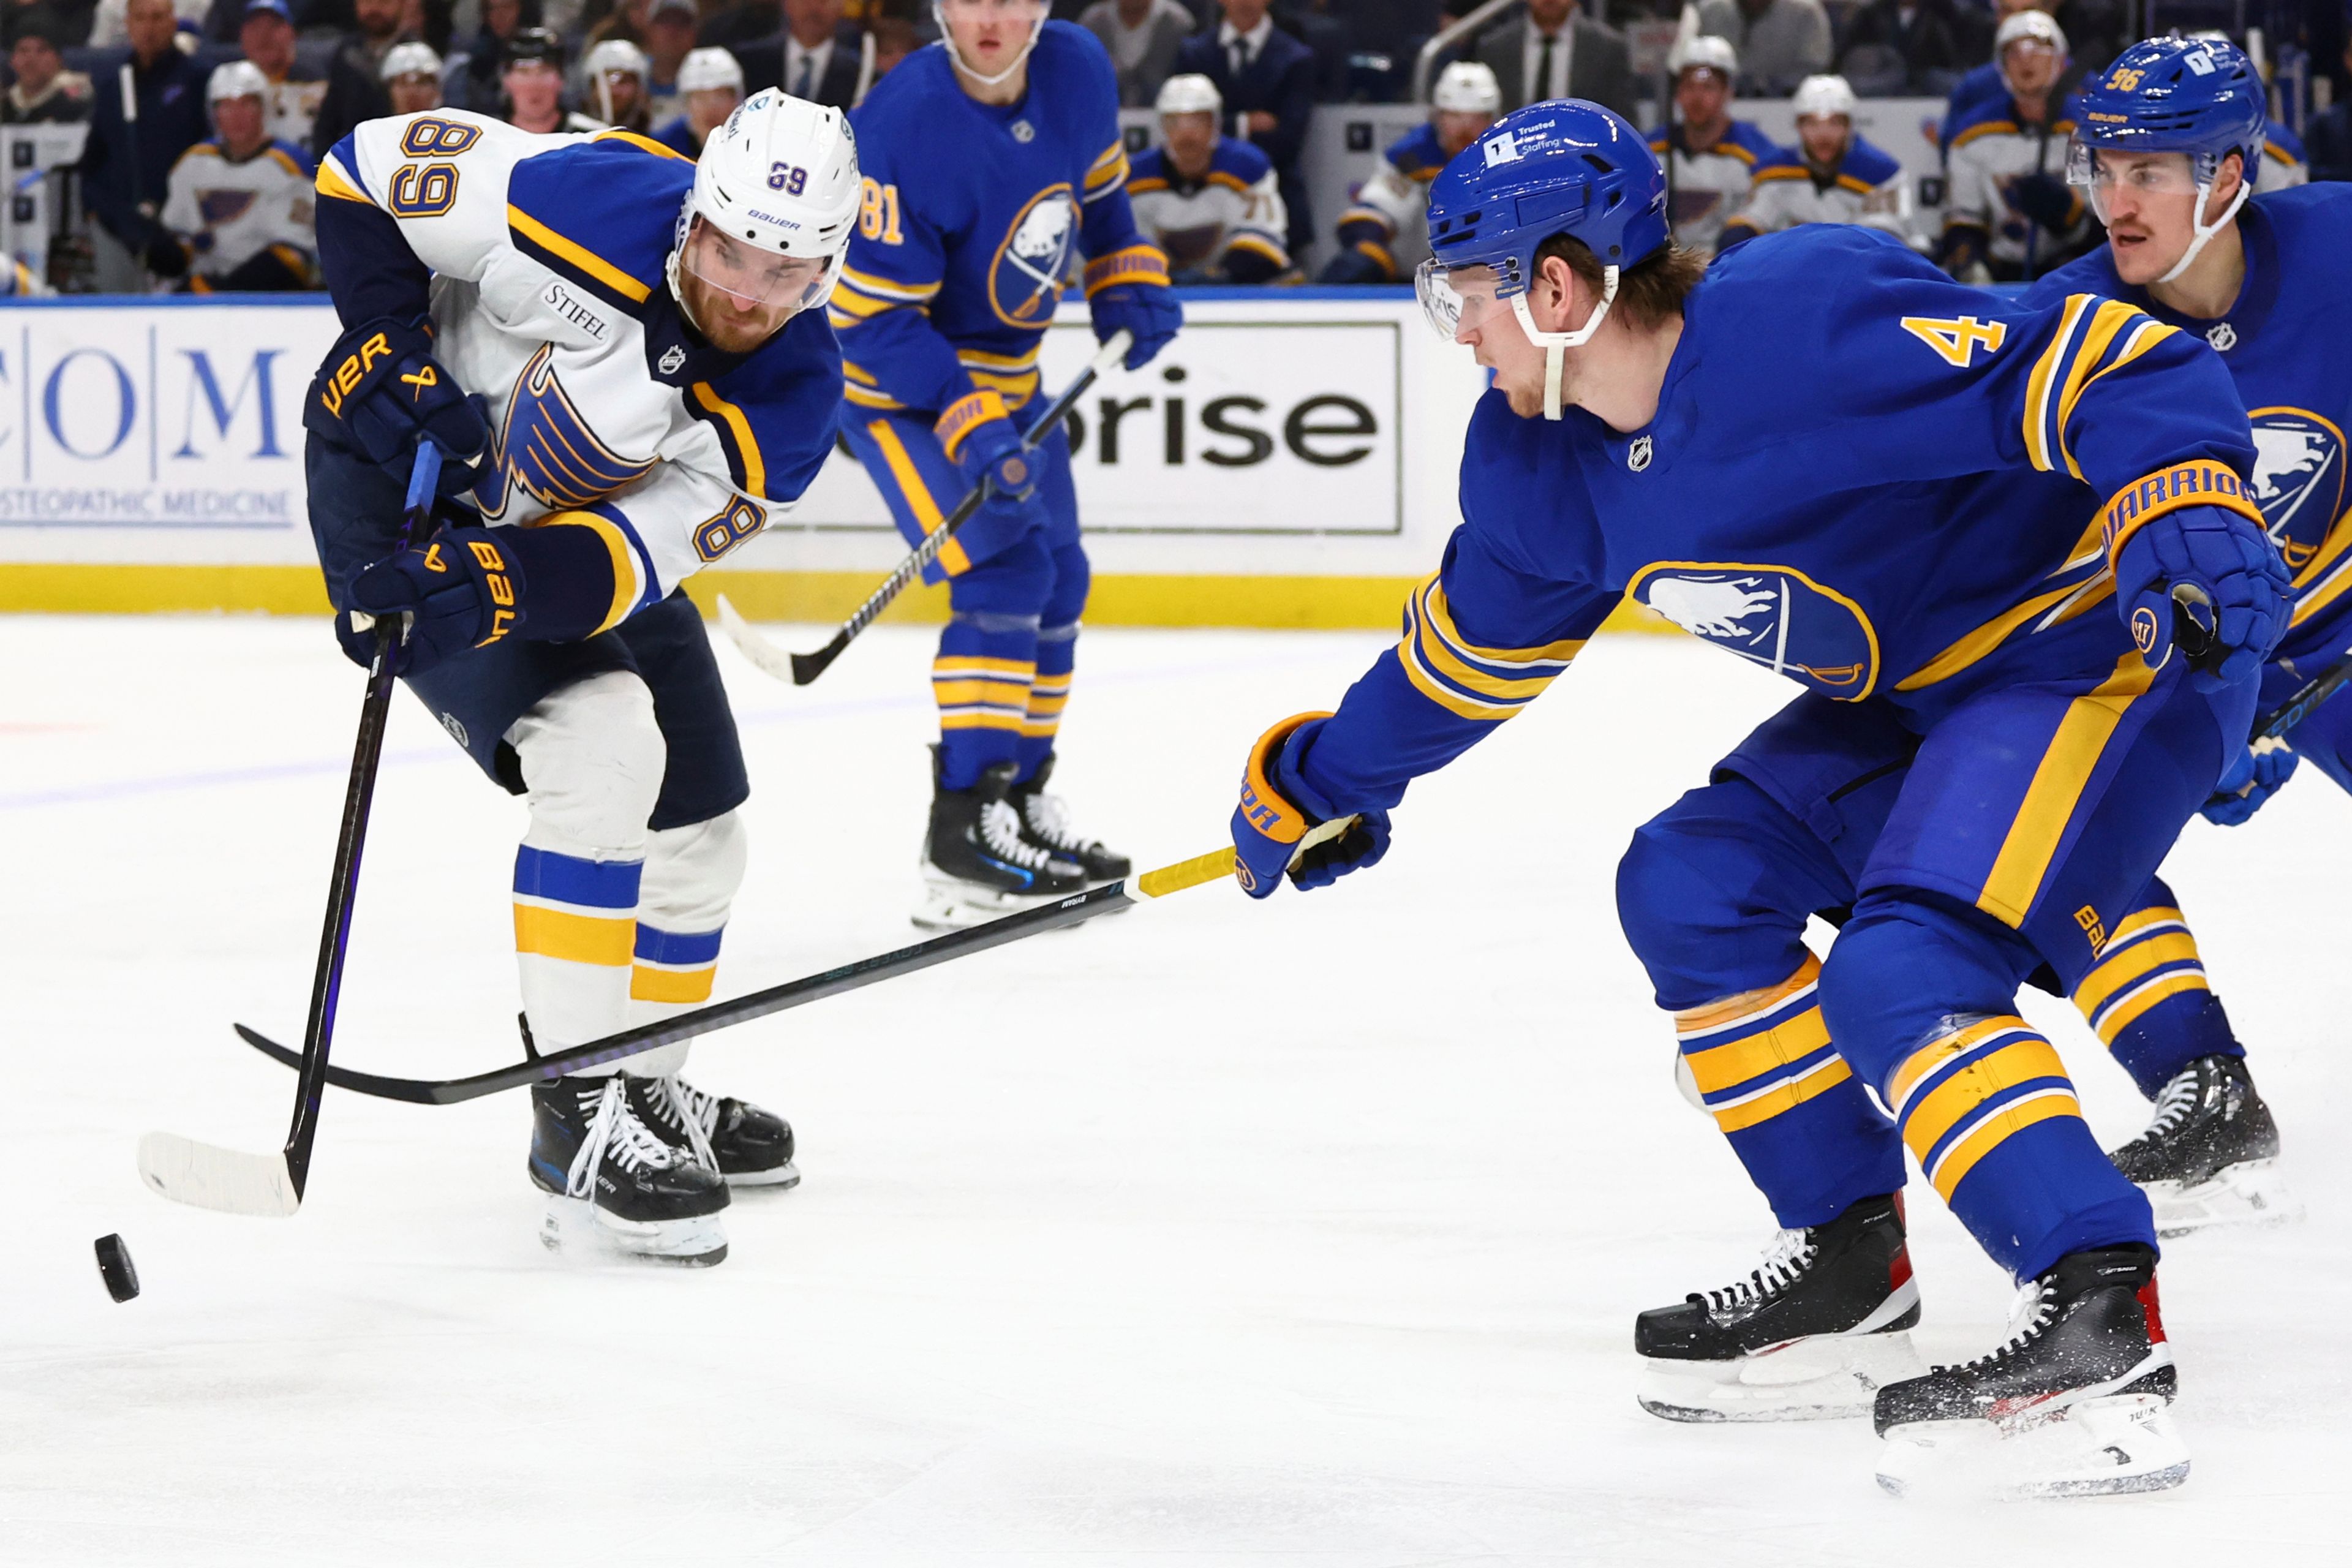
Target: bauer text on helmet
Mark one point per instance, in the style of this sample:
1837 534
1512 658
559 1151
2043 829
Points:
766 225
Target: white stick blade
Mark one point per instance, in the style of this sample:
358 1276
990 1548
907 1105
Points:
207 1177
769 659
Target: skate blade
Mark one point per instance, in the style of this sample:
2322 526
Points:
1827 1377
577 1227
952 905
2099 1447
782 1177
2253 1192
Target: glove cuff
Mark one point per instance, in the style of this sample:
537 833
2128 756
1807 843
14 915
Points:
1141 262
2198 482
964 416
1263 805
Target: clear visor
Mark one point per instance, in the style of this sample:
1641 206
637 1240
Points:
756 280
2100 171
1460 300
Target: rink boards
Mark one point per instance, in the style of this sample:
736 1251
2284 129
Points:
1290 462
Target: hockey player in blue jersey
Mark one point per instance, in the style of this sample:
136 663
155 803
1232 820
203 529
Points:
621 353
993 160
2009 554
1388 205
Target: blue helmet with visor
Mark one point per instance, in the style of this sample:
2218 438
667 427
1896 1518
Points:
2201 96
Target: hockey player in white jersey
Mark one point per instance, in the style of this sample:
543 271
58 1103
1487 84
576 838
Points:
1388 206
621 352
1710 158
2010 215
1833 175
1207 200
240 203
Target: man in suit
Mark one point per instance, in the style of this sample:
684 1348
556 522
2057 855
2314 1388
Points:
1551 49
1267 80
817 56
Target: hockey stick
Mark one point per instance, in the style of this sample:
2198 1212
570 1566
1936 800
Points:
205 1174
2297 707
806 667
1112 896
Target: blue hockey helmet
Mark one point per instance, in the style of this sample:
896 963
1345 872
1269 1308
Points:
1565 167
2201 96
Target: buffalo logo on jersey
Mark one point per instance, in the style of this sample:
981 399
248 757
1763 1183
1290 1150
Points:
1025 283
1772 616
546 450
2298 480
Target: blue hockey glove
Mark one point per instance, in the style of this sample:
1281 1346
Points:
980 439
1129 288
1277 808
380 389
463 588
2251 781
2047 199
2209 577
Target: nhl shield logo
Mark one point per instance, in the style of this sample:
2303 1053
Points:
672 357
2222 336
1770 616
1637 455
2298 480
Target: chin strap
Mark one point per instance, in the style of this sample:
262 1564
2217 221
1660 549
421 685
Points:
1556 344
947 41
2201 230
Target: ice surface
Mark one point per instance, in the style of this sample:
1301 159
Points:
1305 1234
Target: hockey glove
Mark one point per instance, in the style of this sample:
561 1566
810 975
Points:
2220 575
2044 198
463 588
1278 808
980 439
1129 289
2251 781
380 389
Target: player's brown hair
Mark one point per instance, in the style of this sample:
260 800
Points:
1649 293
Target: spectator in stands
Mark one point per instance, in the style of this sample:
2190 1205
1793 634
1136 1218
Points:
355 77
615 75
1326 37
45 92
266 35
2327 140
412 78
1912 47
625 21
1207 200
1551 49
126 170
1832 175
669 38
1466 100
1142 37
1710 158
710 86
750 22
65 23
894 38
819 57
533 83
471 78
1780 42
240 202
109 22
1266 79
2009 214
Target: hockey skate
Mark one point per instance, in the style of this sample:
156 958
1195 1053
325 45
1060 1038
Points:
2210 1156
976 864
2073 1405
616 1185
1813 1332
748 1146
1045 823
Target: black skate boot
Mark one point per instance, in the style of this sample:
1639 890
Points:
616 1185
1812 1332
2211 1157
976 864
1045 823
2079 1390
748 1146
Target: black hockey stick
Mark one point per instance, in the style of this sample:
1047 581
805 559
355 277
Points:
2297 707
1199 870
804 667
205 1174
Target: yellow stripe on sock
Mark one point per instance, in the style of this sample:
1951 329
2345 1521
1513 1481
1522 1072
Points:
647 985
579 939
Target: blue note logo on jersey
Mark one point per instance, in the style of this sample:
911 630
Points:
220 208
1769 615
2298 480
1025 281
547 450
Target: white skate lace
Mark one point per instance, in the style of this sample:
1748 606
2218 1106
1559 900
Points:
615 1131
2035 1307
2173 1107
1782 1261
1049 819
694 1111
1000 832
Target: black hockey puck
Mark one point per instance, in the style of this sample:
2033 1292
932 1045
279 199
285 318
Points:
114 1266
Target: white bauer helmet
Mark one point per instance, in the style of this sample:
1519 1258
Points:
703 70
411 58
1704 52
1189 94
1467 87
238 78
947 39
780 176
1823 95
